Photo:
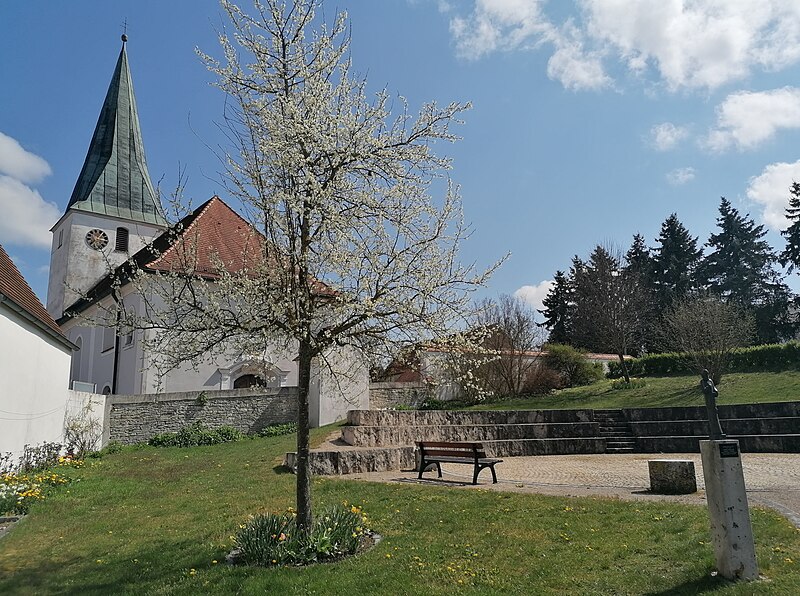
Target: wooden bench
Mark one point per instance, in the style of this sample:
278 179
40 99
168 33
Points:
437 453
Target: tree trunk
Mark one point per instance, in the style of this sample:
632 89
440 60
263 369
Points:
304 518
624 366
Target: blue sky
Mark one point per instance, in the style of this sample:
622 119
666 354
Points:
592 120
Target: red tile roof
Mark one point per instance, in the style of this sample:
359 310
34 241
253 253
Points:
14 287
213 233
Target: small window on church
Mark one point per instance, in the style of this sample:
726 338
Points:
108 338
121 244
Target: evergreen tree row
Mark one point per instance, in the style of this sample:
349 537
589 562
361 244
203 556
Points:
738 267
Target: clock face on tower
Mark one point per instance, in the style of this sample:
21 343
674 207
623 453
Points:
96 239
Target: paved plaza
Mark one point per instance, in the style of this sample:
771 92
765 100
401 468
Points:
772 479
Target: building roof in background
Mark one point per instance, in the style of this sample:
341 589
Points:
114 179
210 235
14 289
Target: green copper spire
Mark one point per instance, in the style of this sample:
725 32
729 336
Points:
114 180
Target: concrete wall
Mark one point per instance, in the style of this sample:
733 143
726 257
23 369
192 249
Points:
386 396
34 372
135 418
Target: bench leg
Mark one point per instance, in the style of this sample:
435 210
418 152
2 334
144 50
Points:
494 476
421 468
439 468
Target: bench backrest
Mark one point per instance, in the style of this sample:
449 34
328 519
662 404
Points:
446 449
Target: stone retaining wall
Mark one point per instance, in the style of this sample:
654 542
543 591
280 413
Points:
447 417
135 418
383 396
379 436
762 410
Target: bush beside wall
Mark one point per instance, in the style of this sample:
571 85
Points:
766 358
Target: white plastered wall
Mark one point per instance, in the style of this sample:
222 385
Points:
34 376
339 382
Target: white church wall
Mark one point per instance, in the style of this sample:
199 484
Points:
34 373
339 383
76 266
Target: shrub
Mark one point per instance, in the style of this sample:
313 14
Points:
276 430
39 457
571 365
620 384
766 358
196 434
82 430
541 381
273 538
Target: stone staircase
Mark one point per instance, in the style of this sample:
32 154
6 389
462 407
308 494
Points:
616 430
381 440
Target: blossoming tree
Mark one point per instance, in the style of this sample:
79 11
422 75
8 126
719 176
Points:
352 250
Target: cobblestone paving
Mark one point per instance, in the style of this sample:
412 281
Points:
772 480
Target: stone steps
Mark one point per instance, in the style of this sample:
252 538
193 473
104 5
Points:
344 459
614 427
782 443
381 436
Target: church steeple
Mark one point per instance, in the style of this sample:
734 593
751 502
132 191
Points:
114 180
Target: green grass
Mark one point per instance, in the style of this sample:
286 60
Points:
736 388
140 522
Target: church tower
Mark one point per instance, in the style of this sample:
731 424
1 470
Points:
114 210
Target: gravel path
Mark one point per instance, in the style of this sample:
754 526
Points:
772 480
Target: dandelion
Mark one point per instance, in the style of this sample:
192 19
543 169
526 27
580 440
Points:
214 562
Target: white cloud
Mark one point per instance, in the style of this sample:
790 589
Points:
534 295
27 217
680 176
746 119
498 25
21 164
666 136
572 65
770 189
701 44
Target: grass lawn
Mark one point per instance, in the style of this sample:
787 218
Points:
736 388
154 521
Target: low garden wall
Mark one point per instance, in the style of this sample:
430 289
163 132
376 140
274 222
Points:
387 396
133 419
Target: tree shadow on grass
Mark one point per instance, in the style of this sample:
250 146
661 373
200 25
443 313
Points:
705 584
162 563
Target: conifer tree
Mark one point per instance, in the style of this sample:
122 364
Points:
638 258
609 306
790 256
557 311
675 263
741 269
639 264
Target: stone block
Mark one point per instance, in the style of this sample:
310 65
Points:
672 476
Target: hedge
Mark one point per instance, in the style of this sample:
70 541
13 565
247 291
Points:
770 357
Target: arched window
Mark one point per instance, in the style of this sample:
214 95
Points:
121 244
246 381
107 390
